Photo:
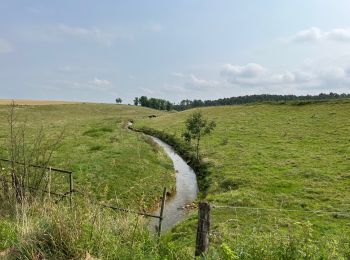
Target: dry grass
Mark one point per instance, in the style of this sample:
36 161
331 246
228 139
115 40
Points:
35 102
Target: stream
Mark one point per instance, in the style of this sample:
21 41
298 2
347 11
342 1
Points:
186 191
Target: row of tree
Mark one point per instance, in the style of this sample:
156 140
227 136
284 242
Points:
155 103
162 104
187 104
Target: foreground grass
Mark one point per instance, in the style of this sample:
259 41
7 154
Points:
274 156
48 231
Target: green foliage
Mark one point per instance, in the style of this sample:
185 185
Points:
156 103
196 128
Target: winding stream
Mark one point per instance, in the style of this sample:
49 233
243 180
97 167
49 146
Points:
186 191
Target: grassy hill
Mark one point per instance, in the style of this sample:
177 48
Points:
266 156
109 161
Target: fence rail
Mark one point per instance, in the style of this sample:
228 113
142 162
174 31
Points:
37 166
51 169
71 191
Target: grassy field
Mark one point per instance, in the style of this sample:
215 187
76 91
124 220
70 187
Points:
291 157
109 162
260 157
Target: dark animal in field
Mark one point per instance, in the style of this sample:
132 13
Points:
152 116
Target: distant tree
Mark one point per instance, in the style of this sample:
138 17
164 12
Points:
136 101
197 127
118 100
168 106
143 100
188 104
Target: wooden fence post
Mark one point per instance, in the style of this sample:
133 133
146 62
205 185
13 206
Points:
70 188
49 182
202 240
161 212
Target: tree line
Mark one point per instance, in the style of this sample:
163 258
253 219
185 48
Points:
162 104
155 103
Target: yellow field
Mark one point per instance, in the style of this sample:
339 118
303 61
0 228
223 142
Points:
34 102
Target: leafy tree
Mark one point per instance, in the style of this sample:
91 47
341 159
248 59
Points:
143 100
136 101
155 103
197 127
118 100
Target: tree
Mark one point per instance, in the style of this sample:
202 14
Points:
143 100
136 101
118 100
197 127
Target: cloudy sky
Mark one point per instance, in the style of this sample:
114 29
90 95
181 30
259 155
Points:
93 50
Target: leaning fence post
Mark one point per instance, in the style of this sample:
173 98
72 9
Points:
202 240
70 188
161 211
49 182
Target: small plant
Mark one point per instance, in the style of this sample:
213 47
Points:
19 179
197 127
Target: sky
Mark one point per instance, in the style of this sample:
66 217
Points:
89 50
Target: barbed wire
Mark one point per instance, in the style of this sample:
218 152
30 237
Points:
281 210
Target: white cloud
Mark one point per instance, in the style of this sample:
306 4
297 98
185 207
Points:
312 78
101 82
67 69
174 87
147 90
93 33
192 80
247 71
202 83
96 85
156 28
255 74
5 46
315 34
178 74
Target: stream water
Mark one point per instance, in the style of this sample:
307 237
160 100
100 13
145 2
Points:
186 191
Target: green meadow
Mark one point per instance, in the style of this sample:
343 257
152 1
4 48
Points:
269 166
278 178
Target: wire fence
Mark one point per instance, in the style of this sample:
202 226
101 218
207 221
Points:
51 186
343 213
71 190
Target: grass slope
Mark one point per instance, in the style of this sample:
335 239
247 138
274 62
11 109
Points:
294 157
109 161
